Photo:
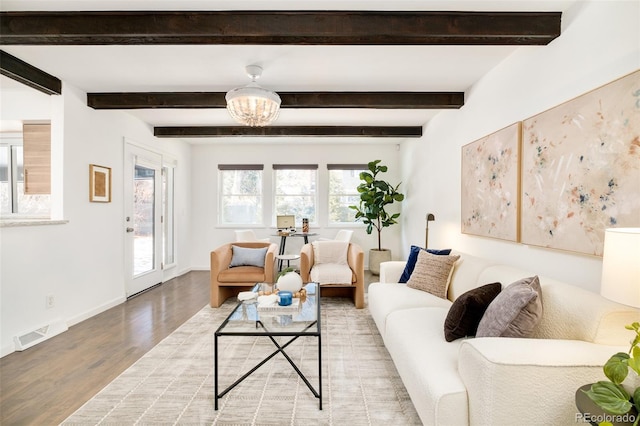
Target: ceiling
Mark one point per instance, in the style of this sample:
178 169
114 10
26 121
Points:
287 68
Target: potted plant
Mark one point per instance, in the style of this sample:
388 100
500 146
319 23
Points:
622 392
375 196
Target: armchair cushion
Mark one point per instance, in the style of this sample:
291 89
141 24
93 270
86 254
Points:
244 256
331 273
330 252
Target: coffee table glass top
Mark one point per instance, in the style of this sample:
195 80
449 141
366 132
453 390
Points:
248 319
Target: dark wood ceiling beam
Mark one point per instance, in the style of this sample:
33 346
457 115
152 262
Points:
27 74
378 100
294 131
279 27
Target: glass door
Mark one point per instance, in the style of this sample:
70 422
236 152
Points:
143 219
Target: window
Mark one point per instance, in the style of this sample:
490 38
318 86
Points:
296 191
240 194
26 156
343 191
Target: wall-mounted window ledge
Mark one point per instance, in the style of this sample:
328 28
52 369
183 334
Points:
7 223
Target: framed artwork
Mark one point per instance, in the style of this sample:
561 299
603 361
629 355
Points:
581 169
490 184
99 184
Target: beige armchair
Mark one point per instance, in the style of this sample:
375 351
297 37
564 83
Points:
228 281
355 261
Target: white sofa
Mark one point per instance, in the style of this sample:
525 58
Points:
496 380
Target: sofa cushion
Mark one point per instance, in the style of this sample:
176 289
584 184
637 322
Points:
467 311
515 312
245 256
428 365
432 273
385 298
413 257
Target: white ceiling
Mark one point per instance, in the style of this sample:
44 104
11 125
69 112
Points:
286 68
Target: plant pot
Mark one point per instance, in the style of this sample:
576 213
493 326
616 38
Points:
290 282
376 257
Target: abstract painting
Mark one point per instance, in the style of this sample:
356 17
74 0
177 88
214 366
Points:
490 182
581 169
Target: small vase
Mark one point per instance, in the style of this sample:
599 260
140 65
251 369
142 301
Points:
290 282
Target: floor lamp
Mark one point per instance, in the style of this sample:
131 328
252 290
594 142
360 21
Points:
621 266
430 218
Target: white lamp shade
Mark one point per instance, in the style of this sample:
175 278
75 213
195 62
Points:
621 266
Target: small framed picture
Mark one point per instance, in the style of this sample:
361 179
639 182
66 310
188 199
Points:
99 184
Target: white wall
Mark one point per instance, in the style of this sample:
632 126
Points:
600 42
81 262
205 160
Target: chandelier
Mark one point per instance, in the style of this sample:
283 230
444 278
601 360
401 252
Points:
252 105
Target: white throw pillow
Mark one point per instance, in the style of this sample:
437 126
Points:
330 252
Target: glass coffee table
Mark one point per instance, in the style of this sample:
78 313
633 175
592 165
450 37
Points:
281 325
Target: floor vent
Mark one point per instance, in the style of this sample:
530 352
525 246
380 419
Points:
33 337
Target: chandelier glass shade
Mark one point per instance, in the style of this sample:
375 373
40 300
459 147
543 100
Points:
252 105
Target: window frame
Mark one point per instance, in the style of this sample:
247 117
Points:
221 194
169 249
342 167
314 195
13 142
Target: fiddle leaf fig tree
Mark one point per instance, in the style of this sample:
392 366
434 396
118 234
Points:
375 196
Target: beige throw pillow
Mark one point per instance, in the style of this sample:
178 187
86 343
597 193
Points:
432 273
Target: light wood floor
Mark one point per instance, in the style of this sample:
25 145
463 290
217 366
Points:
48 382
44 384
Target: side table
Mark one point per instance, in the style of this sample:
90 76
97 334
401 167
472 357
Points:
288 258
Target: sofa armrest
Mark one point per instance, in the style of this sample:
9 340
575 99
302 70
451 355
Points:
532 380
390 272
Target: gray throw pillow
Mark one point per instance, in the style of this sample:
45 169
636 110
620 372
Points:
245 256
514 312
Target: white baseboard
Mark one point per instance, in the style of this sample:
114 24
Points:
199 268
95 311
8 349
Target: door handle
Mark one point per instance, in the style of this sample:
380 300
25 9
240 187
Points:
129 229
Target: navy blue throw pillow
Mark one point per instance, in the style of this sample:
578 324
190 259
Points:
413 257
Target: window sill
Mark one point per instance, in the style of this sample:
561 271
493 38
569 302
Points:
10 223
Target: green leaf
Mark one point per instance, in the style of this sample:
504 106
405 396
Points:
634 362
636 399
610 397
616 369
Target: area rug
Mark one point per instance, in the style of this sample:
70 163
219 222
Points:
173 383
